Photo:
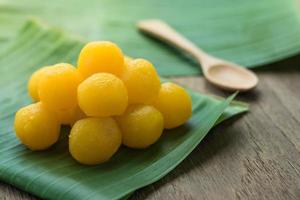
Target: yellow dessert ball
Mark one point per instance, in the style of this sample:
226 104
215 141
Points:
102 95
175 105
69 116
141 126
101 56
36 126
94 140
142 81
34 80
58 88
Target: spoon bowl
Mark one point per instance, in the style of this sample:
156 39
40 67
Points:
231 77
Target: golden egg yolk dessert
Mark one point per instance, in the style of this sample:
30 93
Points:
58 88
36 126
101 56
175 105
102 95
94 140
141 80
69 116
108 100
34 82
141 126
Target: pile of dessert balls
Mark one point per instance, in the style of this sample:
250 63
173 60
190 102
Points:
108 100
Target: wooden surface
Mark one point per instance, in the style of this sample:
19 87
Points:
254 156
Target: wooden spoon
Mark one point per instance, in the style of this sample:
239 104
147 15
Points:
224 74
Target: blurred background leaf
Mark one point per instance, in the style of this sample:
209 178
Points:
250 33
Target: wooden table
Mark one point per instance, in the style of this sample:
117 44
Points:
254 156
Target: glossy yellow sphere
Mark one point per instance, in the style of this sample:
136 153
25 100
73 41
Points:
69 116
58 88
36 126
141 126
101 56
94 140
142 81
175 105
34 80
102 95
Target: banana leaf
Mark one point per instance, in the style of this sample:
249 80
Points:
53 174
250 33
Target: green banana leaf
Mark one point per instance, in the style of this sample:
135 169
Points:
53 174
251 33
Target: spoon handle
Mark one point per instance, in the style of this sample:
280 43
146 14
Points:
164 32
